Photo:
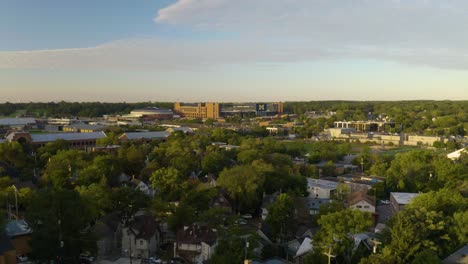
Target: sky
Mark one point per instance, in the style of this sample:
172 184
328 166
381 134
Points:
224 50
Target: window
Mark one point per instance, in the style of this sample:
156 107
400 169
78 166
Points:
366 206
141 242
358 206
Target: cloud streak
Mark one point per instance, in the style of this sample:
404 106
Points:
422 32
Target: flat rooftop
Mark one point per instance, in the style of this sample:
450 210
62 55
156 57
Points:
403 198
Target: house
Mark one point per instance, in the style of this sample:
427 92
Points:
313 204
20 235
267 200
362 201
221 200
318 188
196 243
7 251
398 200
458 257
109 234
143 187
141 237
304 248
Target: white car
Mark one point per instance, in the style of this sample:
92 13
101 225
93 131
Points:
22 258
87 257
384 201
155 260
247 216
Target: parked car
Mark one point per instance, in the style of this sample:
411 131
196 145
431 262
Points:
155 260
384 201
21 258
247 216
86 258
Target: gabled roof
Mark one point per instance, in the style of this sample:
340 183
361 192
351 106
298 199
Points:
305 247
196 234
17 228
458 257
144 226
356 197
43 138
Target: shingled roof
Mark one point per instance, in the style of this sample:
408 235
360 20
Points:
196 234
144 226
356 197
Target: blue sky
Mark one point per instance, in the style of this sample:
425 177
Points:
223 50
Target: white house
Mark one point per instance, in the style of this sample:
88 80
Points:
196 242
318 188
362 202
141 237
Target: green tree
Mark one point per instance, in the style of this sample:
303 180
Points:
243 184
97 197
234 246
410 171
63 167
59 219
337 231
167 182
215 162
281 216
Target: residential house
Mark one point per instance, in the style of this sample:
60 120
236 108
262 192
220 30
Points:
141 237
222 200
196 243
108 230
143 187
362 201
398 200
304 248
20 235
7 251
267 201
458 257
319 188
313 204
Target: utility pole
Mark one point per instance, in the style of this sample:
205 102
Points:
329 255
375 244
362 165
16 201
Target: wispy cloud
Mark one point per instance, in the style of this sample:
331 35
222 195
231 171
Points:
428 32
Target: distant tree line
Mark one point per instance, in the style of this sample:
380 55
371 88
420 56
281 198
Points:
67 109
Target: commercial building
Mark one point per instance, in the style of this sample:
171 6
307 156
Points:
374 126
76 140
152 112
83 128
198 110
